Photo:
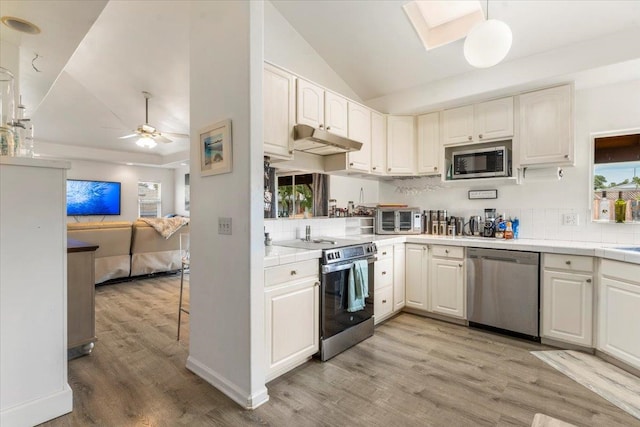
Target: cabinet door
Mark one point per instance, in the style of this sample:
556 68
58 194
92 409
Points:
416 276
446 286
398 277
292 325
457 125
310 105
378 143
567 307
383 304
279 112
546 127
428 143
493 119
360 130
400 145
619 318
335 114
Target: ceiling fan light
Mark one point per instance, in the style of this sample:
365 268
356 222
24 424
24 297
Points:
146 142
487 43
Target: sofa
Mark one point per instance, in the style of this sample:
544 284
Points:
128 249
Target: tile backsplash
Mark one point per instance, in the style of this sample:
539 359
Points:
543 224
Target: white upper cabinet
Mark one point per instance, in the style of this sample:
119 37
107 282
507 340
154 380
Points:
378 143
428 143
310 105
400 145
546 127
480 122
279 112
493 119
457 125
359 129
335 114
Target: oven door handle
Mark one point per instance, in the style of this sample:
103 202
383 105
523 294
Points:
332 268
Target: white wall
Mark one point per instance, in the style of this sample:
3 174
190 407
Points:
226 345
346 188
129 177
179 188
283 46
540 205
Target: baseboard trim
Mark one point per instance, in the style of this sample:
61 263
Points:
40 410
566 346
619 363
235 393
436 316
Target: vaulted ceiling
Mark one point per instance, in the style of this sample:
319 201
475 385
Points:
96 58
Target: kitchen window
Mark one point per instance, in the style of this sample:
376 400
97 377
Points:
302 195
149 199
616 171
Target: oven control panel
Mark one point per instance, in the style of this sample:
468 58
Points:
348 253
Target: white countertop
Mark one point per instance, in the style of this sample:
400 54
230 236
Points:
276 255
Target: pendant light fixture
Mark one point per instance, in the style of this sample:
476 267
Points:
487 43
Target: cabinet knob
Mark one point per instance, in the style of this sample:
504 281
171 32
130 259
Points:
384 272
424 248
321 126
384 253
446 251
350 164
389 169
374 168
435 168
568 262
328 127
480 136
316 284
293 272
588 280
459 265
470 138
566 156
384 301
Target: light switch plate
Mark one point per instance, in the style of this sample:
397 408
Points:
224 225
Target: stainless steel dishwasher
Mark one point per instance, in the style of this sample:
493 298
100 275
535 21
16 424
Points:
503 291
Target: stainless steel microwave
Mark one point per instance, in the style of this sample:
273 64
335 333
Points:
398 221
481 163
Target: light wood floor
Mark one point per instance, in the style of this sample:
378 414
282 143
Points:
413 372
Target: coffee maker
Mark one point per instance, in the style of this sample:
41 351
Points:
489 223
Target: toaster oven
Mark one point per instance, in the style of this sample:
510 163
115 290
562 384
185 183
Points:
398 221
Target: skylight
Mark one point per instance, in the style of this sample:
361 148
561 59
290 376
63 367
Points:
439 22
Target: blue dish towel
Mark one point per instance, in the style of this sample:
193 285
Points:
358 285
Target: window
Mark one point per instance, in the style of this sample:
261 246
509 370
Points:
149 199
616 172
302 195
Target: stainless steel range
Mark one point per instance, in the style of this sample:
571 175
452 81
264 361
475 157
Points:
341 326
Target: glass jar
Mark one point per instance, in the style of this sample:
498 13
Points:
332 207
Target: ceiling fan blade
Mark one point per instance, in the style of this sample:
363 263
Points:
176 135
160 138
128 136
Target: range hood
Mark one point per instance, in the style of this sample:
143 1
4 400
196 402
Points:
321 142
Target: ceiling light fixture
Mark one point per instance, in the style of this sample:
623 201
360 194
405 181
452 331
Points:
487 43
20 25
146 142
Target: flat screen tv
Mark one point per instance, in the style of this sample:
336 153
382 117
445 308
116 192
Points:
92 197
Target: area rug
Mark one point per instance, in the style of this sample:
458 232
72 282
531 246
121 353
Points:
612 383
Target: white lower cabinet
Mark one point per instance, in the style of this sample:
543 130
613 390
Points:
398 277
416 278
619 311
291 315
567 298
447 281
383 284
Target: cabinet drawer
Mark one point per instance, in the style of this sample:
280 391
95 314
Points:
290 272
456 252
383 271
384 252
568 262
383 302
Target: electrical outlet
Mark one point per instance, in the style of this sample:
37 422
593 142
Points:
570 219
224 226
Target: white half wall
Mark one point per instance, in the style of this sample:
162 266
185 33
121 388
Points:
129 177
285 47
226 346
540 205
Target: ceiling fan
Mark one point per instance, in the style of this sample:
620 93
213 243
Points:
148 136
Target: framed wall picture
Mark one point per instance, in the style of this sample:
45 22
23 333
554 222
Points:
216 149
